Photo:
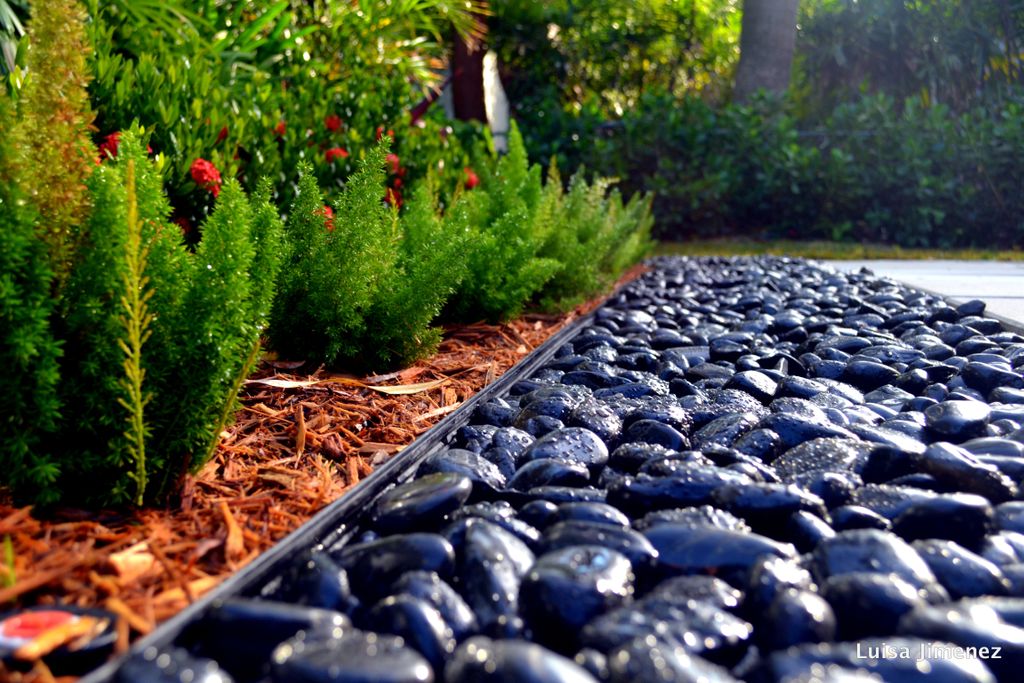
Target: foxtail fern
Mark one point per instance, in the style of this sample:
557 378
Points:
29 350
135 320
52 132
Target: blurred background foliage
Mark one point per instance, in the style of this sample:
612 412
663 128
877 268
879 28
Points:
899 124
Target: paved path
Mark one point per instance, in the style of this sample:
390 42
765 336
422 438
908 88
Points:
998 283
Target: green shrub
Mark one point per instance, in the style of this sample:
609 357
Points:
171 359
505 269
534 241
876 170
335 266
364 285
593 235
430 266
28 350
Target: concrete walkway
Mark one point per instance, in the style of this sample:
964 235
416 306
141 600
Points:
1000 284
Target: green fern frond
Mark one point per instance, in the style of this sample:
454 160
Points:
135 321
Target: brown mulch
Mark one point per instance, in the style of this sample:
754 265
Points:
299 443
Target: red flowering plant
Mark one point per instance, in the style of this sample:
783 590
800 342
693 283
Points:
206 176
394 164
108 148
332 123
393 197
335 153
472 179
328 213
396 172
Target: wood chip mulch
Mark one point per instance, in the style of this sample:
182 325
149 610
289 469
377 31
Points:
299 442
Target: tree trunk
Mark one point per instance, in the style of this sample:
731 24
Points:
767 41
468 81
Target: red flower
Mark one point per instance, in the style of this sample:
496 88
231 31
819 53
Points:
279 129
335 153
472 179
222 135
392 160
396 183
206 176
184 224
108 148
332 123
328 214
393 197
380 133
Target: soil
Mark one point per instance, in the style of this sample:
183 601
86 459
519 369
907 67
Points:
300 441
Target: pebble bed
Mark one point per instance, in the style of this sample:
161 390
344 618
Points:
750 469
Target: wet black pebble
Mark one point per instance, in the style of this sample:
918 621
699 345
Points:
351 657
649 658
757 384
491 565
709 550
767 507
317 581
700 627
1010 516
567 588
630 543
962 517
962 573
242 634
847 517
709 589
374 565
806 530
419 624
656 433
479 468
957 421
600 513
482 660
962 469
683 488
572 443
868 603
171 665
549 472
439 594
871 550
796 617
421 503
